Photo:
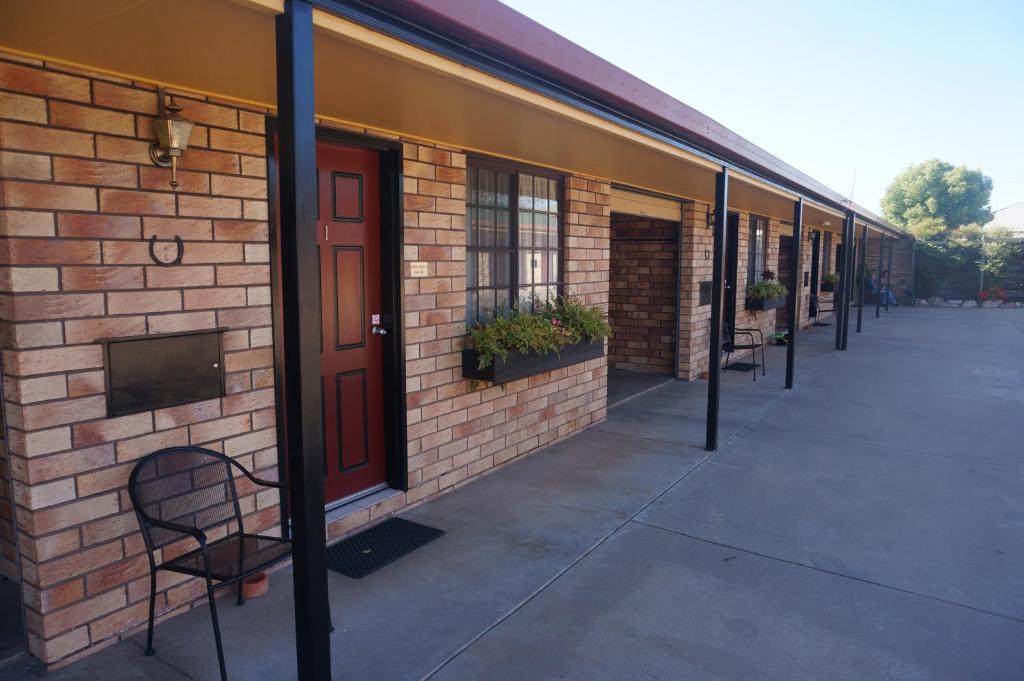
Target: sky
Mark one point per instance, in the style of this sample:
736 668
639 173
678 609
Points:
851 93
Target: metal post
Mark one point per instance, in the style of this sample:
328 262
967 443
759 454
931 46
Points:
863 271
848 260
300 284
795 277
717 277
878 298
839 292
888 279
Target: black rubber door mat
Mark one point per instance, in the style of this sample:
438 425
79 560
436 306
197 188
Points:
741 366
372 549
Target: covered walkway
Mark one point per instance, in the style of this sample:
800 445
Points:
867 524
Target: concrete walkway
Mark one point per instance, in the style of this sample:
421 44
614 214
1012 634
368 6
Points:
868 524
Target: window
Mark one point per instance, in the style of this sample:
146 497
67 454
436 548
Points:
757 256
828 253
513 244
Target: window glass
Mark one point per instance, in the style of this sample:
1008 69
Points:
757 247
512 255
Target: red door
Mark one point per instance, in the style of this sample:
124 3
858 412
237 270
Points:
352 340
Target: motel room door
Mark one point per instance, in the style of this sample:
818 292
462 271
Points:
352 333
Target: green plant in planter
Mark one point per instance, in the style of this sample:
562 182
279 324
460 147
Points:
766 289
547 329
831 278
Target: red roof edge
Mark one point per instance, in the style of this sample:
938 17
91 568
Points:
502 32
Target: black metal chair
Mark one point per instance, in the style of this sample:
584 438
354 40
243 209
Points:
729 345
821 305
180 493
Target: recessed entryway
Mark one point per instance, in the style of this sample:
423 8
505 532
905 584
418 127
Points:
643 301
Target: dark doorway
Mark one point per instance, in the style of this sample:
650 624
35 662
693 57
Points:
12 641
732 261
786 279
815 263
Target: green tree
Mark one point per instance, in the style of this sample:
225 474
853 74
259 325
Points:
934 189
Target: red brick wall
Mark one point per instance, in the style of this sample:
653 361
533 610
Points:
80 197
455 431
642 300
695 319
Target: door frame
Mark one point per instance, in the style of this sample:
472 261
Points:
396 460
732 266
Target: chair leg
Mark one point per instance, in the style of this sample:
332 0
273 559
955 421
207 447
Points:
241 596
152 612
764 364
216 629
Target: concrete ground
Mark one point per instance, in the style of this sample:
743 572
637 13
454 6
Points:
624 384
868 524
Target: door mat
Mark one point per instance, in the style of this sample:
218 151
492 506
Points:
372 549
741 366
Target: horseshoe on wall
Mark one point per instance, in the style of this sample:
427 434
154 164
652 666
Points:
158 261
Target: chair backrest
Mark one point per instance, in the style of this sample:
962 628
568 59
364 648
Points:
189 486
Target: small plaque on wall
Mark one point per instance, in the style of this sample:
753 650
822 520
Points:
705 293
152 372
417 269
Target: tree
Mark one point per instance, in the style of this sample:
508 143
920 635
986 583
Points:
934 189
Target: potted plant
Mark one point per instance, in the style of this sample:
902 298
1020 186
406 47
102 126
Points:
520 343
829 281
767 294
996 294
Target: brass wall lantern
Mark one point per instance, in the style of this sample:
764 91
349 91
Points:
172 132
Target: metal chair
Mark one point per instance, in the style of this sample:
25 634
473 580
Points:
180 493
729 345
822 305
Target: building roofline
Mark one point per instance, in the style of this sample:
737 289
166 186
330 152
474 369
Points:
493 30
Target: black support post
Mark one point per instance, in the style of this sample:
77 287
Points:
839 292
848 254
888 278
795 279
300 289
878 298
717 280
863 271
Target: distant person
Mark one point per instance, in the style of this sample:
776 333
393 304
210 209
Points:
887 296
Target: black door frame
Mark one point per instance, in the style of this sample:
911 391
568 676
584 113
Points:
732 267
392 238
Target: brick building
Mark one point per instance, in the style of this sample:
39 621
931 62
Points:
417 193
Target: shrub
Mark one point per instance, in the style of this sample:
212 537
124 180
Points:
993 293
766 290
831 278
547 329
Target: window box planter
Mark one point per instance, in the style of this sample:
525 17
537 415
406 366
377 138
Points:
519 365
828 286
765 303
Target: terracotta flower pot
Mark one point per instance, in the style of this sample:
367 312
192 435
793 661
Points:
255 585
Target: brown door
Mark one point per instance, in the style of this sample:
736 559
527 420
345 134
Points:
352 357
